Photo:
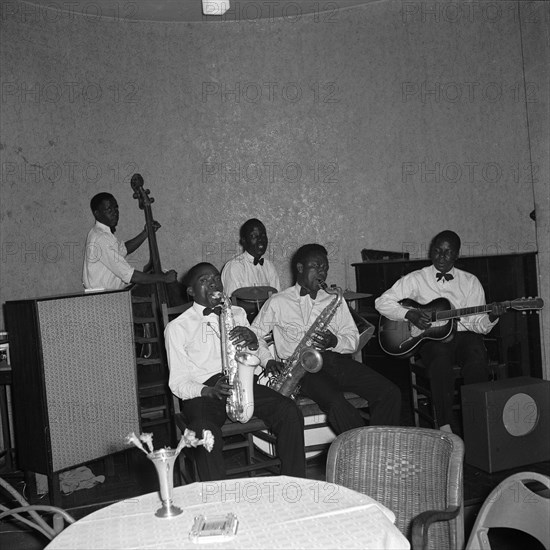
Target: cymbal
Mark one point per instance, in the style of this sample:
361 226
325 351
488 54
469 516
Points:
254 293
349 296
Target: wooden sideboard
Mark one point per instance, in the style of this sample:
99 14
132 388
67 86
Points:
516 337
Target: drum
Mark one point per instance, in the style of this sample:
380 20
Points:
252 298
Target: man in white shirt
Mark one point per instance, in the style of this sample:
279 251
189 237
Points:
105 266
193 346
467 349
250 268
289 315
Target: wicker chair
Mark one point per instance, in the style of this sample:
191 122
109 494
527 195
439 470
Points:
30 516
513 505
415 472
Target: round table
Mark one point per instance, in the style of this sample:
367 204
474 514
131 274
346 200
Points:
273 512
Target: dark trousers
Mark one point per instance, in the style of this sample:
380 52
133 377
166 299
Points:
340 373
467 350
281 415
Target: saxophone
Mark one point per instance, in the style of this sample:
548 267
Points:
238 366
305 357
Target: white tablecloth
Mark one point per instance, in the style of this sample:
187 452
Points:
273 512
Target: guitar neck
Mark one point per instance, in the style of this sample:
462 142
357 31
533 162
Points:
464 312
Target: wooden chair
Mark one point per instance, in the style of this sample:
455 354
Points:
421 393
513 505
421 389
31 515
415 472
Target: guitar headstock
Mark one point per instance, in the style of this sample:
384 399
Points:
139 192
525 304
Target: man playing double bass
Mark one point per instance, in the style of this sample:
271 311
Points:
105 265
467 349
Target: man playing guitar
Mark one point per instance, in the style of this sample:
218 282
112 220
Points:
466 348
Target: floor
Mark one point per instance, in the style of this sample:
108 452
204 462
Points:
129 475
127 482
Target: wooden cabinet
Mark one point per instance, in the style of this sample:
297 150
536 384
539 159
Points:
516 337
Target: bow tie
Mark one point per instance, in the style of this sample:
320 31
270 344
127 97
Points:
304 292
446 276
258 261
208 310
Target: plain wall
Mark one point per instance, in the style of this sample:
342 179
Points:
371 127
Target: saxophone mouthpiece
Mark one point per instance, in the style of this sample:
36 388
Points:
217 294
322 284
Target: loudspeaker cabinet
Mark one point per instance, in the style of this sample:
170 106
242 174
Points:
74 380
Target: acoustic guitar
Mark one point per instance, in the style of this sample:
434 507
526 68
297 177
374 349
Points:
400 338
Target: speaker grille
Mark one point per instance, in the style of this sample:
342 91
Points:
90 375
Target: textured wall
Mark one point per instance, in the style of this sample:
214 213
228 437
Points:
372 127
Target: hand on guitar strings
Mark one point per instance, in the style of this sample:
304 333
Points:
419 318
220 390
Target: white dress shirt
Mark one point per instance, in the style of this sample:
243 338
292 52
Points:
193 347
105 264
241 272
422 286
290 315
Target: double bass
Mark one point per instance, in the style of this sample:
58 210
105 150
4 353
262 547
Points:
147 298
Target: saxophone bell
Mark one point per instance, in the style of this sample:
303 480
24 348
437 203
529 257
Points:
238 366
311 360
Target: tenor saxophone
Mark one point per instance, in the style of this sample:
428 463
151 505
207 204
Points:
238 366
306 358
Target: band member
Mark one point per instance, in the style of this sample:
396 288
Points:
105 265
467 349
193 346
250 268
290 313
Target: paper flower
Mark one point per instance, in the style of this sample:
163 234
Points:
148 440
133 438
207 440
188 439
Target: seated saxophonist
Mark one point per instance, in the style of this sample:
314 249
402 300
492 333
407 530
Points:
195 357
291 313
